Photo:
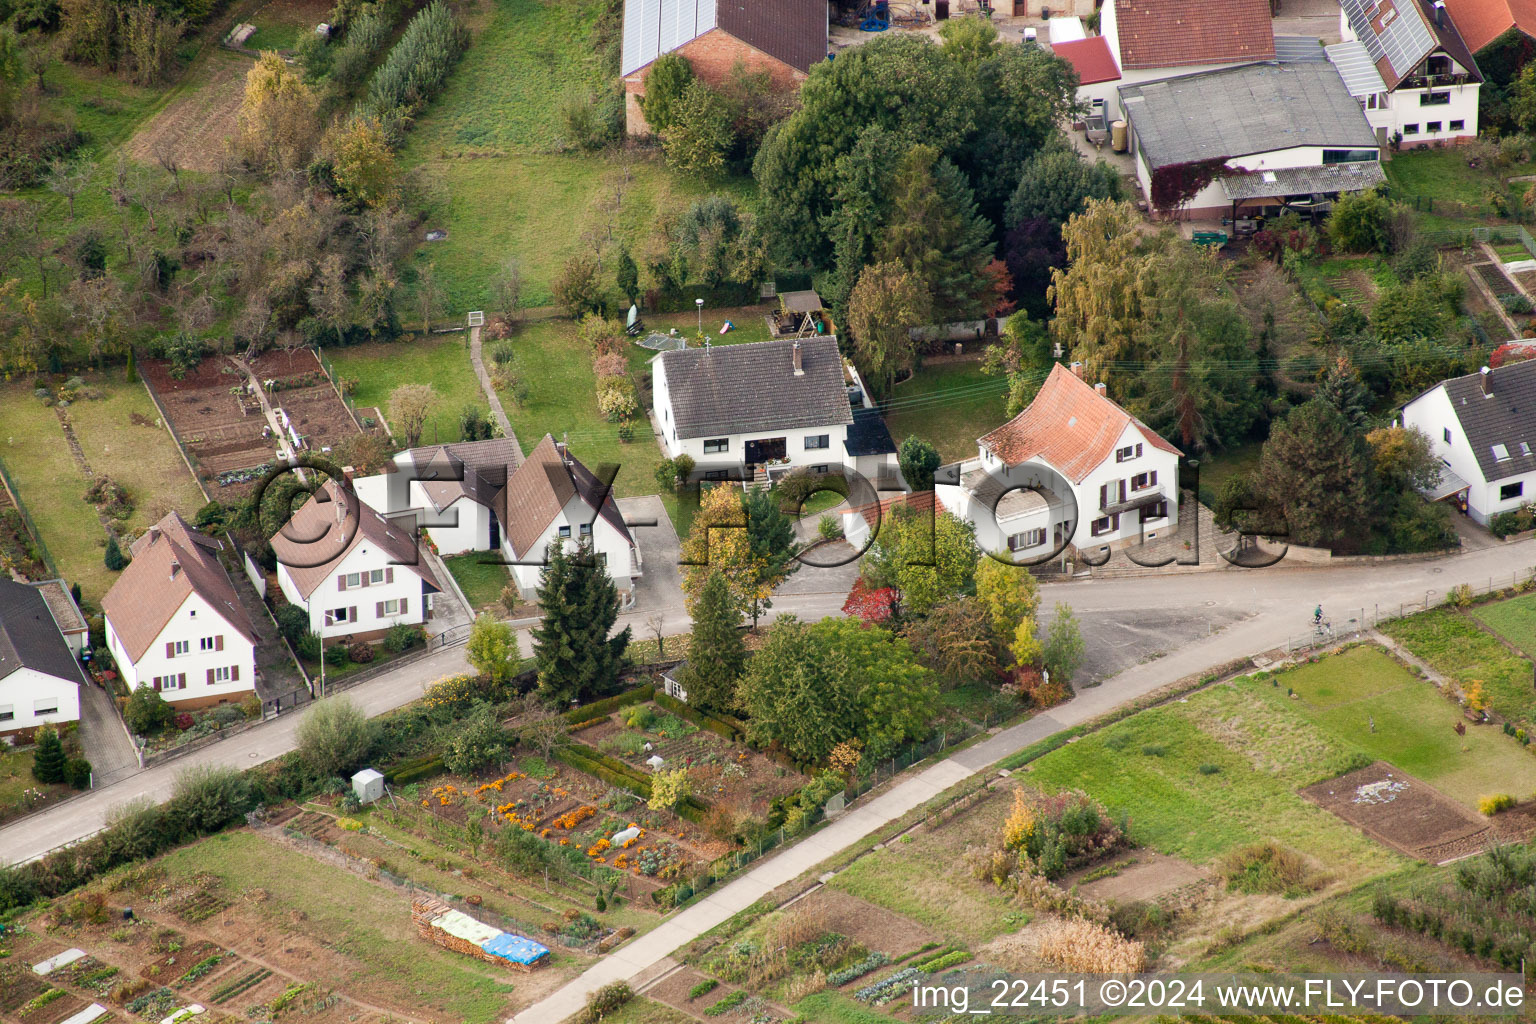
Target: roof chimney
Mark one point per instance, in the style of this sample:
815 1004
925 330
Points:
1077 369
1485 378
175 568
154 533
563 447
799 361
348 472
1101 388
1440 13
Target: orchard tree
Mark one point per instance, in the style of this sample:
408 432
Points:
335 736
955 639
886 304
699 136
409 406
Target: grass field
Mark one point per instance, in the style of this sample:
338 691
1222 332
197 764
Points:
369 925
833 1007
1217 469
950 405
1514 620
441 361
495 136
1149 769
1454 645
926 879
482 581
1364 698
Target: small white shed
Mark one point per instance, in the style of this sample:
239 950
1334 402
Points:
620 838
368 786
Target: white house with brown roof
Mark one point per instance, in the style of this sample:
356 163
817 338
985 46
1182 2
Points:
553 498
40 676
355 572
1071 469
453 489
175 623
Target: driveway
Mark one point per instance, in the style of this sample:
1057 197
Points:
104 738
660 588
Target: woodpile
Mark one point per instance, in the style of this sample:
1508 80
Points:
426 912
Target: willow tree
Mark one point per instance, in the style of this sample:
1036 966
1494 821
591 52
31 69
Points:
1103 297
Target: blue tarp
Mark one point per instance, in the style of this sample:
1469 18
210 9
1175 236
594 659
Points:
515 948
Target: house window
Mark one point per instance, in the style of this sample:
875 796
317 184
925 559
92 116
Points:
1446 432
818 441
375 575
1348 156
1025 540
1434 99
354 579
717 474
1156 511
1457 126
181 647
1433 126
220 675
1129 452
390 607
1102 525
716 445
565 531
819 469
336 616
1510 491
1500 453
46 706
7 712
171 682
1141 481
1410 129
586 529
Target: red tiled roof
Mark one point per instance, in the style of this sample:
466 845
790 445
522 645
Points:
1482 21
334 517
918 501
1091 58
1176 33
1069 425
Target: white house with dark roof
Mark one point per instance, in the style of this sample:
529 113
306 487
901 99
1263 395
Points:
454 490
175 623
1274 132
767 408
355 572
553 499
1482 428
1409 68
1073 468
40 677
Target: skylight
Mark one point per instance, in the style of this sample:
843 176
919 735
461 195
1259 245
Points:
1525 449
1500 453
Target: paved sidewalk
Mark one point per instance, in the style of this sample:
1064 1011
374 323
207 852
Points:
497 412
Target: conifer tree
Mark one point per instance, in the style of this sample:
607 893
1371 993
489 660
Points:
114 557
48 759
716 651
576 658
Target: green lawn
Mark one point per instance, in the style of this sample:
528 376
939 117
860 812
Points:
495 136
367 924
1216 469
950 405
441 361
833 1007
481 580
38 460
1148 768
1365 698
1514 620
1454 645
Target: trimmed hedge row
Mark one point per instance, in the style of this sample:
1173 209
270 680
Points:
415 769
731 728
611 770
608 705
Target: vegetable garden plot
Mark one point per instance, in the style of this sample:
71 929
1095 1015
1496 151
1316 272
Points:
1403 812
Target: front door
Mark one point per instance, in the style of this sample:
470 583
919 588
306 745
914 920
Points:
495 533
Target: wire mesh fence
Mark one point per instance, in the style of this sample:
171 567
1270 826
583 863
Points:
26 520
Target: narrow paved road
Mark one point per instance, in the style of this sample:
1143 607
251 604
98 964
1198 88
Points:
1270 605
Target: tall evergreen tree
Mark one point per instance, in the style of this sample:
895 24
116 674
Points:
114 557
48 759
1316 471
1343 389
576 658
935 232
771 537
717 653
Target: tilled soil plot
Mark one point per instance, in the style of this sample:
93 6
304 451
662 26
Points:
1403 812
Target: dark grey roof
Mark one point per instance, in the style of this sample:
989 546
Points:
1301 181
1298 49
477 469
869 434
1505 417
1255 108
29 636
739 389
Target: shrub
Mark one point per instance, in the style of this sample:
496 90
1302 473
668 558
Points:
182 721
292 622
360 653
1209 769
146 711
1266 868
1056 832
727 1004
604 1001
336 655
478 741
49 759
207 797
309 646
829 528
1087 947
1154 750
704 987
335 736
402 637
1491 805
77 772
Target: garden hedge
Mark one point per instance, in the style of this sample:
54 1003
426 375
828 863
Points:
731 728
616 773
608 705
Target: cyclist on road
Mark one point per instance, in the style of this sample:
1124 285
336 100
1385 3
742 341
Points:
1317 616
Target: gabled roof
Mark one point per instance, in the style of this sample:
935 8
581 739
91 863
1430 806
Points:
1069 426
1179 33
170 562
542 487
738 389
1242 111
1399 34
792 31
1480 22
473 469
1091 58
869 435
1505 417
29 637
330 526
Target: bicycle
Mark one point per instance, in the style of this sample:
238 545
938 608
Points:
1321 628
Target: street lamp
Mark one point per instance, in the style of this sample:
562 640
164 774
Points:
700 304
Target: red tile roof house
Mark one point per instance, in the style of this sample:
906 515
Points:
1500 33
355 572
175 623
1153 39
782 37
1105 480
